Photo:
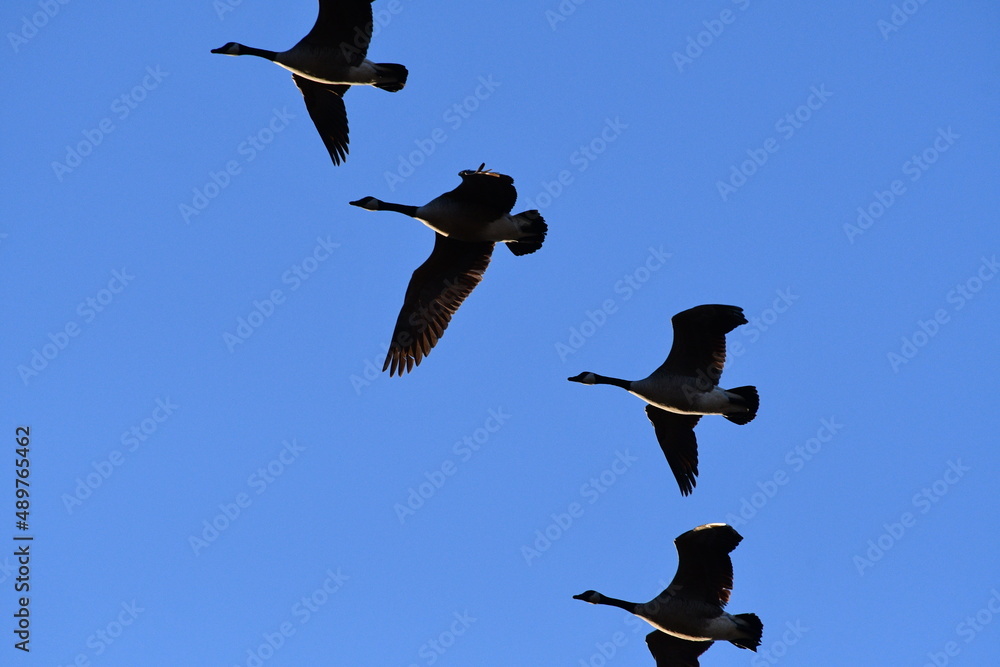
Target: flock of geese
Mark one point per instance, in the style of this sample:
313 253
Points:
688 616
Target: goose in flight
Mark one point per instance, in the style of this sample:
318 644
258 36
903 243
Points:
468 222
686 386
329 60
688 616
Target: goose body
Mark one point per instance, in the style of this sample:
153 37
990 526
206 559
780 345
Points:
318 65
691 622
326 62
685 387
477 211
684 396
456 219
688 616
468 222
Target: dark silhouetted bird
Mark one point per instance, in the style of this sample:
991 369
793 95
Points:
328 61
686 386
688 615
468 222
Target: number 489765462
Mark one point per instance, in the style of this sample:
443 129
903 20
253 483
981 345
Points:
23 463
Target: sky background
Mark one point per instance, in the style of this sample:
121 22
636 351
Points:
865 489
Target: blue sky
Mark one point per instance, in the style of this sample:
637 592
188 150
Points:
220 475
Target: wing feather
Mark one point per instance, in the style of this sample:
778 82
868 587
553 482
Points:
344 24
704 569
699 347
325 104
436 290
675 433
670 651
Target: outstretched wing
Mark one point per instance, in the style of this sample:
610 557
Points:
699 347
704 570
670 651
675 433
325 103
485 193
345 25
436 290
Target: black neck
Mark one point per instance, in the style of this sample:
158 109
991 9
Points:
615 602
260 53
603 379
398 208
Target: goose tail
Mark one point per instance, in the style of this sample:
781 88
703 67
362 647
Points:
750 400
533 229
392 77
754 629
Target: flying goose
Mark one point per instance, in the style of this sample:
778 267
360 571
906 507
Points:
467 222
329 60
685 386
688 615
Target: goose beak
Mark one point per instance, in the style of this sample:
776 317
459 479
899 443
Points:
219 50
579 597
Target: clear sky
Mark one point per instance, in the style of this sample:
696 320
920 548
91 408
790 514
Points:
196 317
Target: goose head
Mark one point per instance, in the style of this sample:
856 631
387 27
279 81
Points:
593 597
368 203
230 49
584 378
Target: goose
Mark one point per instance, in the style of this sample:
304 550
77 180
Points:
329 60
468 222
688 616
685 386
